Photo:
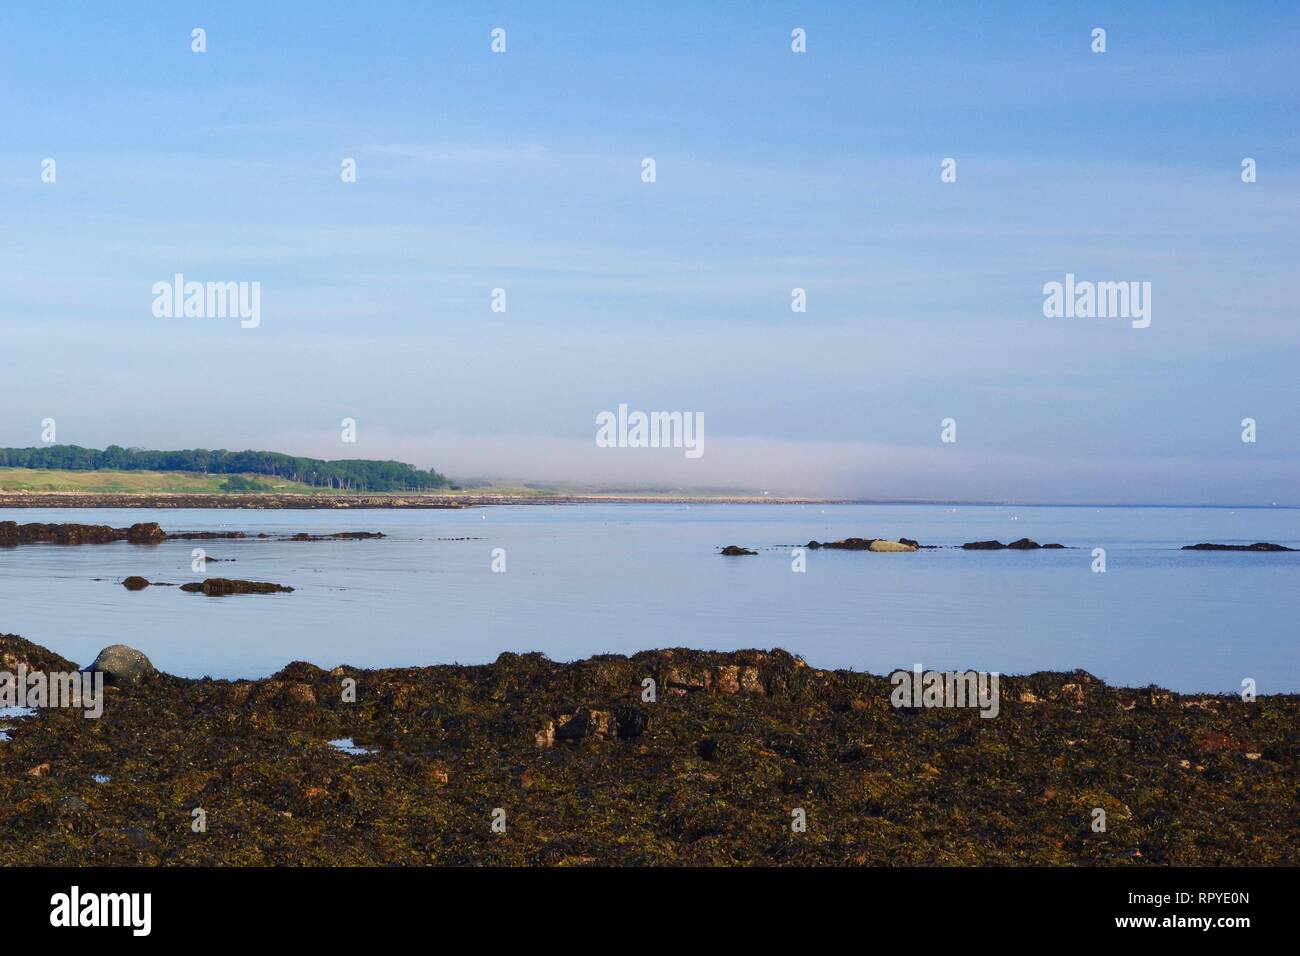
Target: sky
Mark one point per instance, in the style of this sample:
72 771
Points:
774 170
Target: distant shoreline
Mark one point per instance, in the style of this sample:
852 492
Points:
341 502
291 501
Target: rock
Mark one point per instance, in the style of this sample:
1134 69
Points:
12 533
135 583
727 679
206 536
732 550
301 695
750 682
587 725
684 678
1257 546
336 536
865 544
632 721
220 587
122 666
882 546
848 544
145 533
1020 544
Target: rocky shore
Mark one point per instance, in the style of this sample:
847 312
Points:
580 767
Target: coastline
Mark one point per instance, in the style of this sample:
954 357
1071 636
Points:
306 502
585 770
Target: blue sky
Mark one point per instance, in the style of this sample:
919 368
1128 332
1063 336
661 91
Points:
774 171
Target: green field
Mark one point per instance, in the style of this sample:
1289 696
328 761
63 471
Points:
143 482
105 481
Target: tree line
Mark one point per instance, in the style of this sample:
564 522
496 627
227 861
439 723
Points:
353 474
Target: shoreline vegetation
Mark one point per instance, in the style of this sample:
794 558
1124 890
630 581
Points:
580 768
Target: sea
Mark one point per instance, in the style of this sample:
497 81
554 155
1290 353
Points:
575 580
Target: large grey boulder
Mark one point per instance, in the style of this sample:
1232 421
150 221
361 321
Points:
122 666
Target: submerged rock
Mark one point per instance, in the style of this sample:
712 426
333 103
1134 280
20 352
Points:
735 550
121 665
219 587
1257 546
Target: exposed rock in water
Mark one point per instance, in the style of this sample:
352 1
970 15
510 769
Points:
879 545
337 536
1257 546
847 544
12 533
137 583
1021 544
206 535
734 550
219 587
122 666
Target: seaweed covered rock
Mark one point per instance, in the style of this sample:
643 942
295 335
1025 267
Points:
1257 546
1020 544
17 651
220 587
592 771
147 532
337 536
879 545
847 544
12 533
121 665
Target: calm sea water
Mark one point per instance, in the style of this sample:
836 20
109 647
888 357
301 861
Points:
587 579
